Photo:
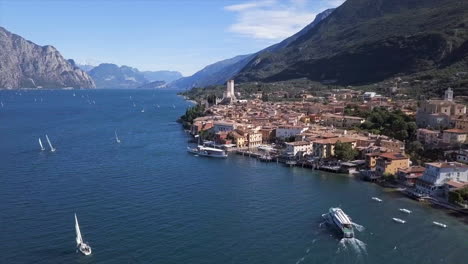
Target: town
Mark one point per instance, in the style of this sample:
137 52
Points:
417 147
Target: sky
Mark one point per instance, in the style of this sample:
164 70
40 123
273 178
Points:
181 35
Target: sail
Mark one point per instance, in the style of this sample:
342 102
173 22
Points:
40 143
50 144
79 239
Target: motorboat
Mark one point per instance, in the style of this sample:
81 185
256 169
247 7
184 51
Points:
398 220
439 224
405 210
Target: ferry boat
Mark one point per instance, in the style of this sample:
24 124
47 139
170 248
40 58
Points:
342 221
207 152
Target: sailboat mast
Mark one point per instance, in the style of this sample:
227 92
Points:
79 239
50 144
40 144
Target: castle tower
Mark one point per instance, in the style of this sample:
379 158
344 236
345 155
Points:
448 95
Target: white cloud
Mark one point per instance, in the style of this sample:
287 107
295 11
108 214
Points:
270 20
249 5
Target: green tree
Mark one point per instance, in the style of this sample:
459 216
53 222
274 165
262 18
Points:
345 151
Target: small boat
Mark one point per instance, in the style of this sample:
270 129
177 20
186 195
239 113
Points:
207 152
1 104
74 94
439 224
291 163
340 220
398 220
52 149
142 110
134 105
116 137
377 199
405 210
40 144
82 246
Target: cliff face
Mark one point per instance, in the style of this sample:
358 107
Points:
24 64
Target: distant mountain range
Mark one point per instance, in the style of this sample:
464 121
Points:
219 72
24 64
107 75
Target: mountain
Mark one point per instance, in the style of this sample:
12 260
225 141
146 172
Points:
24 64
216 73
153 85
166 76
220 72
107 75
85 67
366 41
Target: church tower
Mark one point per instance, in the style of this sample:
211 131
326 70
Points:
448 95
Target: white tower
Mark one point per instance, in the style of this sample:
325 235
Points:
448 94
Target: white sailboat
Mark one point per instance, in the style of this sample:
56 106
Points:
82 246
40 144
52 149
116 137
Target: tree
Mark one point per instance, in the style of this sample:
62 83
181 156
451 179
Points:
345 151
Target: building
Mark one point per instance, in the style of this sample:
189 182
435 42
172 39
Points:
371 160
408 176
219 126
238 139
284 132
428 137
325 148
462 156
438 173
254 139
453 136
229 95
390 162
461 122
437 113
298 147
342 121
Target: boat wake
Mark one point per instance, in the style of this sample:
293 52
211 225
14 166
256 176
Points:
359 227
302 259
353 244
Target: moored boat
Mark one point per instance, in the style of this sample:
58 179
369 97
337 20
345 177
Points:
207 152
377 199
439 224
405 210
340 220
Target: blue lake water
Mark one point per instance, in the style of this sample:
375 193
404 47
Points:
146 200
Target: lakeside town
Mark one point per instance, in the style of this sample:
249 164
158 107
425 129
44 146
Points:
416 147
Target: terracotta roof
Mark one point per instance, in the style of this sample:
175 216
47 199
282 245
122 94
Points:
457 184
393 155
447 164
335 140
455 130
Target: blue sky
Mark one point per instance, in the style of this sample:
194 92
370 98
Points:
183 35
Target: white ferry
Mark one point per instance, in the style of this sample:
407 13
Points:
342 221
207 152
